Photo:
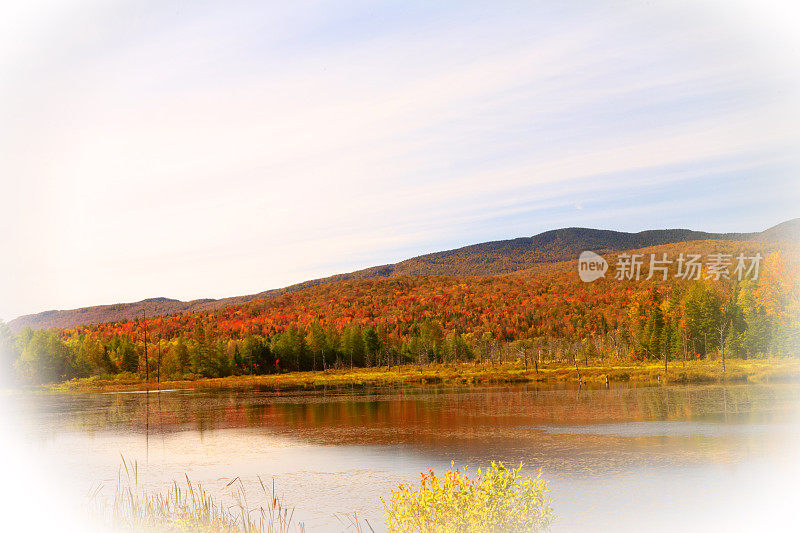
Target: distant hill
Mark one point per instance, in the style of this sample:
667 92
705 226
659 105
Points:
785 231
485 259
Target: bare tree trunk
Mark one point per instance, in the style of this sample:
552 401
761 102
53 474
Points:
705 344
617 347
146 366
158 368
722 329
608 352
586 353
683 338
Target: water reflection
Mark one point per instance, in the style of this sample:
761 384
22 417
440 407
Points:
429 410
338 450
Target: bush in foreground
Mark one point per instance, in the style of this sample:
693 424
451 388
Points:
499 499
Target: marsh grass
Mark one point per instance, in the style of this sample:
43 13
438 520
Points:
499 499
190 507
694 371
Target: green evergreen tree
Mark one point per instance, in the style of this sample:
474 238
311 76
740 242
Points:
45 358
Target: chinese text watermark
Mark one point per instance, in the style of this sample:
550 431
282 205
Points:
716 266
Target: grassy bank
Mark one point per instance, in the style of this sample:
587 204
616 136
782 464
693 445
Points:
737 370
495 499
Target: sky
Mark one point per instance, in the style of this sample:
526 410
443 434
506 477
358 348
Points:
212 149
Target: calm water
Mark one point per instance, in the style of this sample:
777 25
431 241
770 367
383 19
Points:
655 458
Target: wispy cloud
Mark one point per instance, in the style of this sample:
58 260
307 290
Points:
215 151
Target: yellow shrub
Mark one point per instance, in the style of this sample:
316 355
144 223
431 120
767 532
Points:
499 499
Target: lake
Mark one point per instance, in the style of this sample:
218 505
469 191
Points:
625 458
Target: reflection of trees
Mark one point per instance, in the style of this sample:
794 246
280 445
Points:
446 410
504 420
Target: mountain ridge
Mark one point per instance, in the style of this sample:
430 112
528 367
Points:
481 259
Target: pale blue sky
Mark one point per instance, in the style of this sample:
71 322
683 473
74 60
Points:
213 149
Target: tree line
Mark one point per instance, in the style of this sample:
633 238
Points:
368 323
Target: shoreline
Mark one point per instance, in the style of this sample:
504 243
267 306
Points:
775 369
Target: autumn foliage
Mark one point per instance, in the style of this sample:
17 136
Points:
421 319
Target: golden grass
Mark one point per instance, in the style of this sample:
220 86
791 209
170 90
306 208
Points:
702 371
189 507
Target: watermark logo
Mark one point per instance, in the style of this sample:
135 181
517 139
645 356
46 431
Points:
591 266
716 266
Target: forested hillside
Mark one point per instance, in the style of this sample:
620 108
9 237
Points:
486 259
440 318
